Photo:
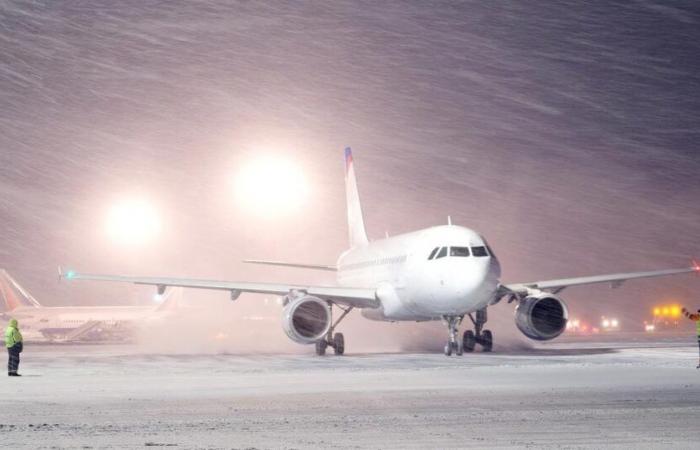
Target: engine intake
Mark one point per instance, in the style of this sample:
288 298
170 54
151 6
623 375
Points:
306 319
541 316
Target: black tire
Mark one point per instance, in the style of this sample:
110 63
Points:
448 349
339 343
487 340
321 347
459 348
468 341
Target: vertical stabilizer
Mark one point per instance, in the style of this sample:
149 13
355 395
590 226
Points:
13 295
356 224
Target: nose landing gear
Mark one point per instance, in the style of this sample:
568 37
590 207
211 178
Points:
470 338
453 343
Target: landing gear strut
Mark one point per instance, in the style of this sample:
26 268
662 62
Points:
335 340
453 343
479 335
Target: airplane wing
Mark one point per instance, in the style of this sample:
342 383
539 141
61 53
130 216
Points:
616 280
355 297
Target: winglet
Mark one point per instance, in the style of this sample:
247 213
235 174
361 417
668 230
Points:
68 275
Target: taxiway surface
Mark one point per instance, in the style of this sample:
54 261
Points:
565 395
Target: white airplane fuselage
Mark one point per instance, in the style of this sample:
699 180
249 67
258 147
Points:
414 287
47 322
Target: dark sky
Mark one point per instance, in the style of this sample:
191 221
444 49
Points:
565 132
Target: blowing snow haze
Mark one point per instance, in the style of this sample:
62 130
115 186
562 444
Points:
566 133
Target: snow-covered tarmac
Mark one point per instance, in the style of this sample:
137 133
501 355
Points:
566 395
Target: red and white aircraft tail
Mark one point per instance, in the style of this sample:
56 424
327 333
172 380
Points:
13 295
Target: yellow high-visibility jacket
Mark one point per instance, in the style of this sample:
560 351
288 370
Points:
12 334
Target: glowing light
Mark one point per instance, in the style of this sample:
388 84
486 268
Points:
657 311
132 222
270 187
675 311
665 311
649 327
70 274
606 323
614 323
158 298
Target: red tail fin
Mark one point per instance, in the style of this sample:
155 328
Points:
13 295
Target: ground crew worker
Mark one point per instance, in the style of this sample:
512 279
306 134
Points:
695 318
13 342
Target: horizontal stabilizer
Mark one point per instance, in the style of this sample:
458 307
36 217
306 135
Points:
288 264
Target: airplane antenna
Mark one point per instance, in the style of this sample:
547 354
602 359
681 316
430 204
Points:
449 220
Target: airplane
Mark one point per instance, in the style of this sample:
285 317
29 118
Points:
446 273
75 323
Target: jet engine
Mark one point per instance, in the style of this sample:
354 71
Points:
306 319
542 316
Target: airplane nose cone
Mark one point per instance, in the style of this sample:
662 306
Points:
475 283
472 277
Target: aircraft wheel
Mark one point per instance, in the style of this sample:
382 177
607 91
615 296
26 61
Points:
321 347
487 340
339 343
459 348
468 341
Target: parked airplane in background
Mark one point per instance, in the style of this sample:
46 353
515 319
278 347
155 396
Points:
75 323
441 273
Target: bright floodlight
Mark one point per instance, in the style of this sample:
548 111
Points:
132 222
270 187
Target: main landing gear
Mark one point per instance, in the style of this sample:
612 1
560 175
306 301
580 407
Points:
334 340
469 338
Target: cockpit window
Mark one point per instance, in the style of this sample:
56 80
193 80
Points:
442 253
490 251
479 251
459 251
432 254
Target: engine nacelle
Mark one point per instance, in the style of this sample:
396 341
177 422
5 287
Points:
306 319
541 316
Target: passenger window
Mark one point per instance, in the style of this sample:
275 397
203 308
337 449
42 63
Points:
432 254
459 251
479 251
442 254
